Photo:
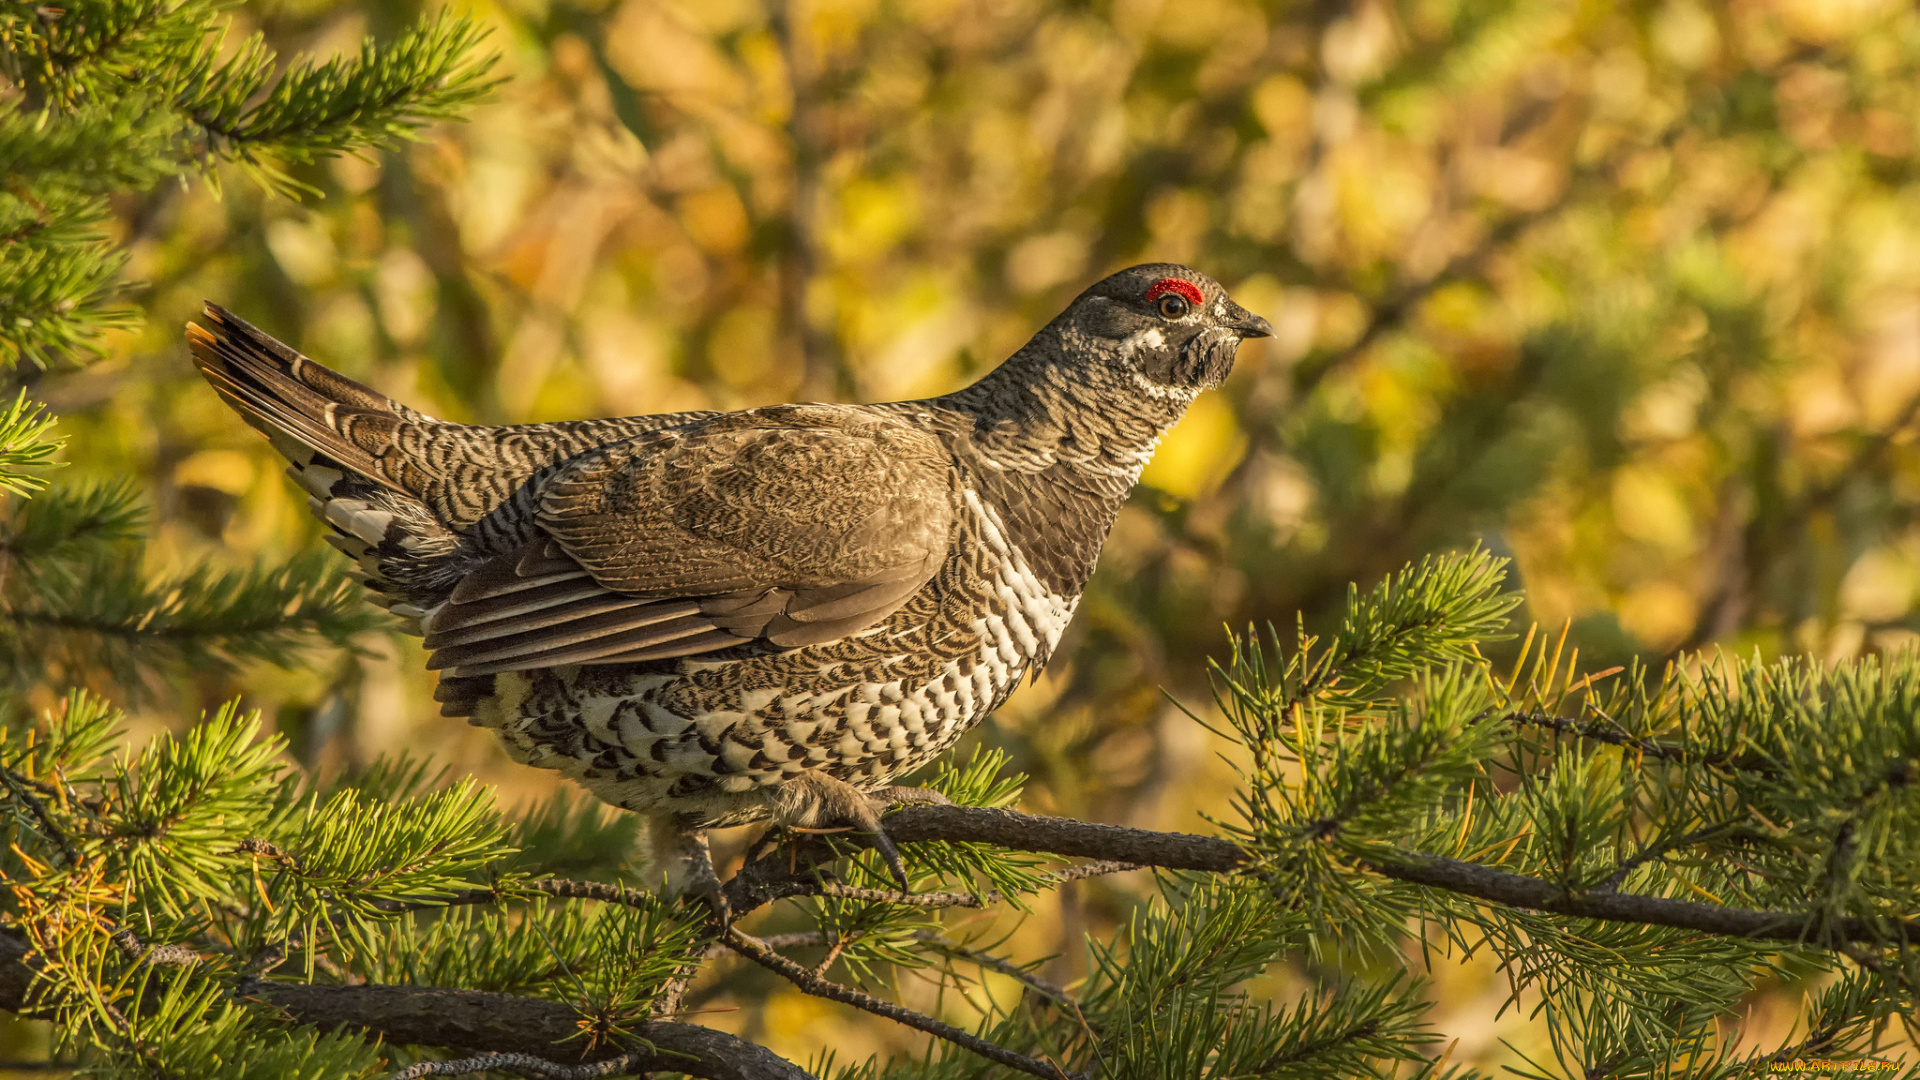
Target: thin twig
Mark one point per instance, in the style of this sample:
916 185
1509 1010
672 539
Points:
786 941
133 948
525 1065
1052 991
563 888
757 951
567 888
836 945
1658 851
894 896
815 938
1614 736
966 900
17 784
997 963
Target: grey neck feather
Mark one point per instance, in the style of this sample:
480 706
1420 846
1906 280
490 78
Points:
1069 399
1053 440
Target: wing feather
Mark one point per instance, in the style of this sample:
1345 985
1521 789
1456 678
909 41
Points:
792 526
545 608
628 627
600 651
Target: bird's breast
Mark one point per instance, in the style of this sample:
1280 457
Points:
710 738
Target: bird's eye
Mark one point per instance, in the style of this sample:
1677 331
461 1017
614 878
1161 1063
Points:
1174 297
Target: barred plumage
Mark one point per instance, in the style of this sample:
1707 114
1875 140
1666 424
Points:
715 617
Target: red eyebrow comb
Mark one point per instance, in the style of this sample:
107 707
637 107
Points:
1175 285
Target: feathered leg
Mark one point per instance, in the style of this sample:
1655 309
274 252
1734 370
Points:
681 856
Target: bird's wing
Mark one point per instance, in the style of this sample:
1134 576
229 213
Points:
792 525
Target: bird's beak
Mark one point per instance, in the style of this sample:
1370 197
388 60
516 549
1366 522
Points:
1246 323
1253 326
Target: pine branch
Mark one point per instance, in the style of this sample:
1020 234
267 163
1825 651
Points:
58 285
376 99
564 888
938 942
1660 850
59 164
67 520
119 95
967 900
17 787
839 890
101 613
500 1023
1186 851
767 878
467 1020
1518 890
1337 1034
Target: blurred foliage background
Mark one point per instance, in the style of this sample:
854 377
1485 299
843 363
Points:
1630 292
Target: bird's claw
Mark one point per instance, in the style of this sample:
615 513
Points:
718 906
892 854
900 796
821 801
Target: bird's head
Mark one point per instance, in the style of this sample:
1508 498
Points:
1166 325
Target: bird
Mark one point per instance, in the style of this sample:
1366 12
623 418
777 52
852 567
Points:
715 618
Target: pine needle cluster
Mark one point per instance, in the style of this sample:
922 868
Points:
116 97
1638 851
154 887
1656 845
121 95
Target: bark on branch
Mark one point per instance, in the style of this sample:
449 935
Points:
1185 851
472 1020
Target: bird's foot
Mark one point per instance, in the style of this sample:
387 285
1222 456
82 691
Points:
814 801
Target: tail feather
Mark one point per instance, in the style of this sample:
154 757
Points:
339 440
291 398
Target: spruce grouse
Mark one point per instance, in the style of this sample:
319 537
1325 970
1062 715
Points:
711 618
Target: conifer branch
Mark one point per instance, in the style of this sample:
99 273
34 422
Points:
88 609
373 100
768 878
1518 890
502 1023
561 888
469 1020
1660 850
133 948
1186 851
941 943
